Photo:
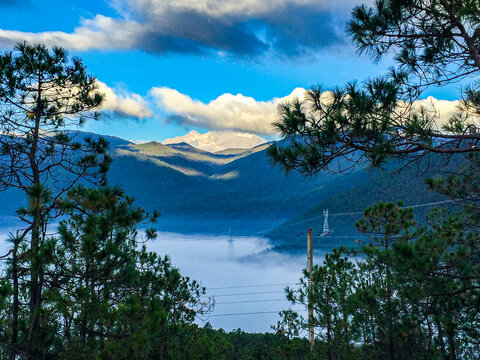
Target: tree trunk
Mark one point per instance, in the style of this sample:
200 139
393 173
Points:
83 328
35 290
329 340
35 269
451 344
442 343
391 348
15 301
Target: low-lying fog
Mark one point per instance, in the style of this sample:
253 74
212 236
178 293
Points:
246 278
241 273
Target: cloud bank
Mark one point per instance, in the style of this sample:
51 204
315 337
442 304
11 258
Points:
243 113
442 110
226 112
122 103
236 27
98 33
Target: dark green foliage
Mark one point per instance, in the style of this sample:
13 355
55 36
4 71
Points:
329 300
41 92
412 291
103 294
433 41
206 343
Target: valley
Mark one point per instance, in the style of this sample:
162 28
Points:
240 191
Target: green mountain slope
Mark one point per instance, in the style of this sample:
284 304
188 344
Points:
181 181
407 185
195 190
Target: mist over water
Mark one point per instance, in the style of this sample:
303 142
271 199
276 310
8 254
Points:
244 274
240 272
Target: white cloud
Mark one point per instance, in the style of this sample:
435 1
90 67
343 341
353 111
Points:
101 32
117 101
442 110
243 113
227 112
123 103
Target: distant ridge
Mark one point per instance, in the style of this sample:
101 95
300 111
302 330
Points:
200 191
231 151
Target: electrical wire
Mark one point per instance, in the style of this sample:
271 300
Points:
253 313
249 301
251 293
361 212
249 286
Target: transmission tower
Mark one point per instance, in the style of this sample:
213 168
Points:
326 230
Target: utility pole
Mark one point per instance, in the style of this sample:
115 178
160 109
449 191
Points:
311 336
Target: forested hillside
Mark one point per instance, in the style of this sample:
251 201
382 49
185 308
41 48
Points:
187 185
397 182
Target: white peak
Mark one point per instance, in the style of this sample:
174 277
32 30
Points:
214 141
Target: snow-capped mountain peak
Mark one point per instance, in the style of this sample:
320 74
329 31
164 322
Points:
214 141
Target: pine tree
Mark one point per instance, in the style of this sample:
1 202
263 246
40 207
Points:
327 289
433 43
417 292
104 295
43 93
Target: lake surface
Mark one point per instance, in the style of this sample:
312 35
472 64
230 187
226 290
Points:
244 275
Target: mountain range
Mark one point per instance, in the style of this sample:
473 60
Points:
239 190
217 141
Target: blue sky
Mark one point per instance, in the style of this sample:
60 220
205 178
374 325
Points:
170 66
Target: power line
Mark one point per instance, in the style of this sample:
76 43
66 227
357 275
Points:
206 238
361 212
252 313
248 286
318 235
251 293
250 301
